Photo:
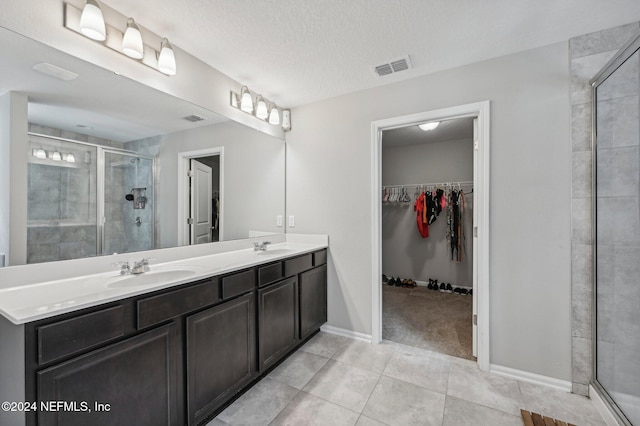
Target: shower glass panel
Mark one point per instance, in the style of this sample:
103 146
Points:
62 200
617 247
128 203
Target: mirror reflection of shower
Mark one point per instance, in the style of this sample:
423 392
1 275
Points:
78 200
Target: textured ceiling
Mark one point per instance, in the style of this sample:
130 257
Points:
299 51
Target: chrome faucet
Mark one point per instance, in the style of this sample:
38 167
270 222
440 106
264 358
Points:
261 246
140 266
124 267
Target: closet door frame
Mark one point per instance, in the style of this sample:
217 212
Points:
480 111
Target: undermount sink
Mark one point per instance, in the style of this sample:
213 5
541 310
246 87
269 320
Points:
151 277
275 251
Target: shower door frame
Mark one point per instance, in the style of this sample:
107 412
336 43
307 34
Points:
625 53
100 202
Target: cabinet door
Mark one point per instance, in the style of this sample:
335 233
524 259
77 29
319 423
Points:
137 378
278 320
313 300
221 354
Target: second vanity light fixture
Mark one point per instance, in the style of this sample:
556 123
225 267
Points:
261 108
91 23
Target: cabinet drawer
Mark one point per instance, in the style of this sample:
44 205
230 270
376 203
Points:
269 274
320 257
156 309
298 264
73 335
233 285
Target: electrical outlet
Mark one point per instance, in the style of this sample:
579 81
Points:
279 220
292 221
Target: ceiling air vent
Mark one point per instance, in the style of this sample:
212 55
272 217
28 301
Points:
393 66
193 118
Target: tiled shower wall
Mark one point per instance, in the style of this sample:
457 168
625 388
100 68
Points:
588 55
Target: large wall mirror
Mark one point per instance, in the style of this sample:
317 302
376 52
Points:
115 166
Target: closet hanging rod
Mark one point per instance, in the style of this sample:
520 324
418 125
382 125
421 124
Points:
466 183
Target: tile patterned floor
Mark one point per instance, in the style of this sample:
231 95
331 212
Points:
333 380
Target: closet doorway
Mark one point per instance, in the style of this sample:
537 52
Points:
431 229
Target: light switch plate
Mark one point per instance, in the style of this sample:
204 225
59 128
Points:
292 221
279 220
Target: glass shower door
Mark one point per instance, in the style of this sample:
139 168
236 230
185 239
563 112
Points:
617 247
128 203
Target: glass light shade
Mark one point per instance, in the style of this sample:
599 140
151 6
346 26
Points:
55 155
166 58
71 158
92 22
246 101
261 108
40 153
132 41
274 116
429 126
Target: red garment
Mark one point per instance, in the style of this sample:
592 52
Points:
423 227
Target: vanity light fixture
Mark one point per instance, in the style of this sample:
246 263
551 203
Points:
132 41
274 116
55 155
246 100
40 153
166 58
428 126
261 108
121 34
92 22
70 158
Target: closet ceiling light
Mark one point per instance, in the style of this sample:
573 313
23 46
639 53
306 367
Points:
261 108
429 126
132 41
166 58
92 21
246 101
274 116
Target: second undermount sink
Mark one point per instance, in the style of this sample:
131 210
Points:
275 251
151 277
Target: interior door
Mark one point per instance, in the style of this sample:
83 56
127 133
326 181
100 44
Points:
474 317
201 203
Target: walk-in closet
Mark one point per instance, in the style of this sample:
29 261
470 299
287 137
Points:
427 236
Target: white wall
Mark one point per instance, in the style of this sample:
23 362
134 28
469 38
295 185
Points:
253 178
404 252
329 184
13 177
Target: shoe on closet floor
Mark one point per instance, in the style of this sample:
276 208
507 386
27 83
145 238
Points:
464 291
449 288
457 290
443 288
385 279
398 282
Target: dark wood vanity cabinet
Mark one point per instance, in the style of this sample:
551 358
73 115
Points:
278 321
221 355
134 382
174 356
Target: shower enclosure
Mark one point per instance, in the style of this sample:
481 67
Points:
87 200
616 150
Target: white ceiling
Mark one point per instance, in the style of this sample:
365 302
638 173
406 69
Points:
449 130
300 51
113 107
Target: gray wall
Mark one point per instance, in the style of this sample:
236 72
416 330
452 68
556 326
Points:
588 53
253 178
13 185
329 191
404 252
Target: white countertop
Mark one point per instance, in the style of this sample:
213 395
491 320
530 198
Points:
38 300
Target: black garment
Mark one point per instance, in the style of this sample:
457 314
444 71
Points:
439 194
454 223
431 207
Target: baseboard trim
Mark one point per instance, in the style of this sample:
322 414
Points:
346 333
525 376
602 407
